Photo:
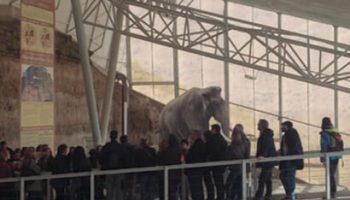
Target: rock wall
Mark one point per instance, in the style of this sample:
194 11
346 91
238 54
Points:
9 82
71 112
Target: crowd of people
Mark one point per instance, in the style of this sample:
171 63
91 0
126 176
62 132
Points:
204 183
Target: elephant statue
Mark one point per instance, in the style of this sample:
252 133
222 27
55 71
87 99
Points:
192 111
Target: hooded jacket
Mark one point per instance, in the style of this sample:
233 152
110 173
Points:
326 141
266 148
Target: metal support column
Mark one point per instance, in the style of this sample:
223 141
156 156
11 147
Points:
112 63
87 74
280 81
176 67
226 64
336 97
128 55
336 100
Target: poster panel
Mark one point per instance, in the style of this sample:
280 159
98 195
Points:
37 96
37 38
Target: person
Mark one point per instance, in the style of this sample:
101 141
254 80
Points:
184 147
129 179
238 149
61 166
4 147
30 168
15 162
290 145
130 150
70 157
208 180
170 155
93 158
184 186
80 163
327 132
196 154
113 156
45 163
39 151
6 189
265 148
216 149
145 156
46 160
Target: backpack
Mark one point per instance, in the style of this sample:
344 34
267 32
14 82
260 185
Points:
337 143
299 164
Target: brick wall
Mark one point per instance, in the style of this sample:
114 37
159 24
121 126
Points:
71 115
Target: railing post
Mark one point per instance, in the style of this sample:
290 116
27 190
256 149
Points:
253 178
48 189
328 178
166 183
183 184
92 186
22 188
244 180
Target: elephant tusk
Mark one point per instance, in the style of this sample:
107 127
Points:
225 137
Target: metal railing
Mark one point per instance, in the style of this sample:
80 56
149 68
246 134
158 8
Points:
166 169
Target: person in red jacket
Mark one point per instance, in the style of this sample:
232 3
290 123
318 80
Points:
6 189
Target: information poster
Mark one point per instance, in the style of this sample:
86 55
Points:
37 74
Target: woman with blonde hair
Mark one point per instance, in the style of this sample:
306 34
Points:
237 150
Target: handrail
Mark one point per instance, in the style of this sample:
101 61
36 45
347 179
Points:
254 160
307 155
82 174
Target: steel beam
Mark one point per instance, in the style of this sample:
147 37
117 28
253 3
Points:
245 64
128 56
227 65
280 80
87 74
336 98
110 82
212 29
176 67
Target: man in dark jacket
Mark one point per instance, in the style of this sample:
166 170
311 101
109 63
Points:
61 166
196 154
265 148
130 178
171 155
145 156
216 149
290 145
113 156
208 181
130 151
